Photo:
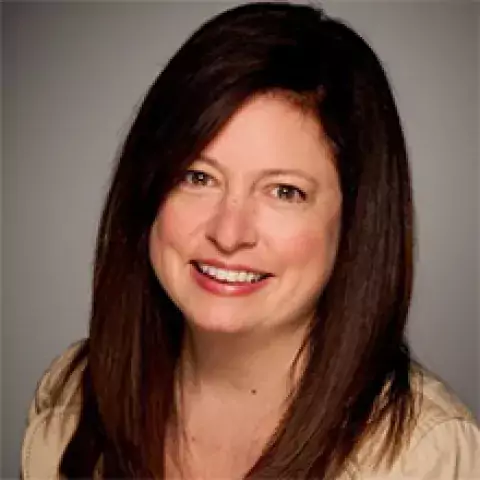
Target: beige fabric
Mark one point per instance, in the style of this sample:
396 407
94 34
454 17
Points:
43 447
445 444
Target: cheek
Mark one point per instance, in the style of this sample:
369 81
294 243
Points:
306 251
175 235
309 249
167 225
165 238
170 242
177 221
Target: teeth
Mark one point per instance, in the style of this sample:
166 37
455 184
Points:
229 275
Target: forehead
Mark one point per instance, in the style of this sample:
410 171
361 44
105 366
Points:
270 131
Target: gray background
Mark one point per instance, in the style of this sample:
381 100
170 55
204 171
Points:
72 77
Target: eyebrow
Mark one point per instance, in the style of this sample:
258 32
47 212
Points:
266 172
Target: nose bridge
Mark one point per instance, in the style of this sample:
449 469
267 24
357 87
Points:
232 225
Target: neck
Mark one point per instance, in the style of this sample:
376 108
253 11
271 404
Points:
238 364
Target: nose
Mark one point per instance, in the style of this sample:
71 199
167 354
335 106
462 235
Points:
232 226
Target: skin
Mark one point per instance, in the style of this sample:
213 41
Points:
239 204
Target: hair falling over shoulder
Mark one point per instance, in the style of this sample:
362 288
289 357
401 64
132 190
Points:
357 377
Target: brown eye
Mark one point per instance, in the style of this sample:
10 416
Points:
289 193
197 178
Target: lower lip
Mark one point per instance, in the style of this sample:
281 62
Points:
227 289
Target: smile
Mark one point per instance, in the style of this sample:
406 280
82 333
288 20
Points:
229 276
233 281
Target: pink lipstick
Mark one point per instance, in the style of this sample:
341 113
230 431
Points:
228 288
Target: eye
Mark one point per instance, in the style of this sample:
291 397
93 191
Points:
289 193
197 178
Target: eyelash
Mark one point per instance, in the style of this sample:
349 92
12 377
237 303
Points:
192 178
301 196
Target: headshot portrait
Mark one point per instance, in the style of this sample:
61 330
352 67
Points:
241 241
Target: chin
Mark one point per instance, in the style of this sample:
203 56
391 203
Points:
225 324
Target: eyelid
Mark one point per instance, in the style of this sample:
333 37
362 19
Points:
303 196
209 178
300 195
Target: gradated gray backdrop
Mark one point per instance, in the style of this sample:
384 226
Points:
72 76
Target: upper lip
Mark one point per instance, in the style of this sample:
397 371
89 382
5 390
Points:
231 266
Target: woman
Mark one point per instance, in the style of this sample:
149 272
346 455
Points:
252 278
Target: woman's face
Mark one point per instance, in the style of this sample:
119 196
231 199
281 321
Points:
248 240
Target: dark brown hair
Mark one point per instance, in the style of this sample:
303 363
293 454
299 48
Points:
357 375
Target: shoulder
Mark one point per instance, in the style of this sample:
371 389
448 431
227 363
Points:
43 399
51 424
438 403
445 441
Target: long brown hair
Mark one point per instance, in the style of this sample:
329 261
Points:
357 354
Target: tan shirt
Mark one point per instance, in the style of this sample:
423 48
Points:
445 444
